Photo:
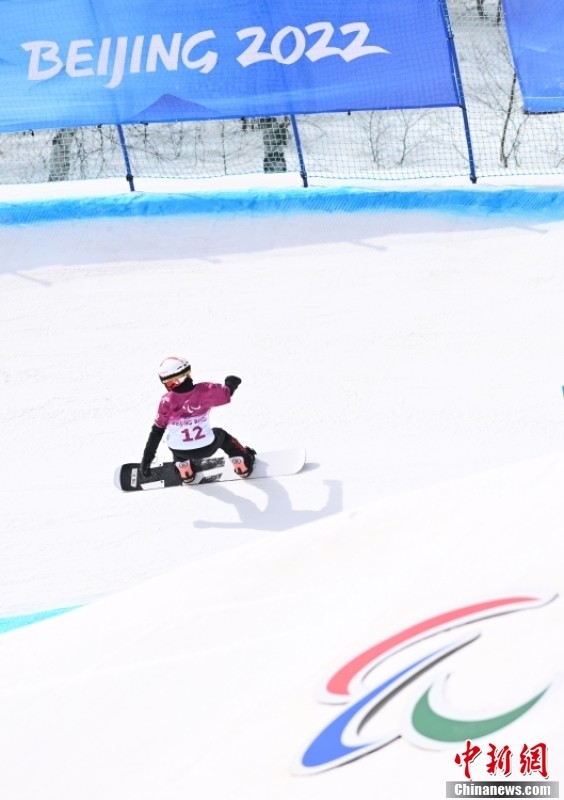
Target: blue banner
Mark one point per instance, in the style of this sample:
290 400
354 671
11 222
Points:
536 38
87 62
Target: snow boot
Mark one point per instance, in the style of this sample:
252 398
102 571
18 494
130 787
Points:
243 464
186 471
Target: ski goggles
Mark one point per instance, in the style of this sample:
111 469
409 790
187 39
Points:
176 380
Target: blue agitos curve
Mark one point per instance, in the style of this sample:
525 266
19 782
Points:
88 63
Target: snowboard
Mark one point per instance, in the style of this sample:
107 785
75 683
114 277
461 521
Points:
218 467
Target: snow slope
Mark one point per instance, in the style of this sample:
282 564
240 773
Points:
417 356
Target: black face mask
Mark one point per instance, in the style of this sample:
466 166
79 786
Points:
185 386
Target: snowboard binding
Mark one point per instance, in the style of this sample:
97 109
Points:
186 471
243 465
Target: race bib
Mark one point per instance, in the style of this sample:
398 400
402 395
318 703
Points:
189 433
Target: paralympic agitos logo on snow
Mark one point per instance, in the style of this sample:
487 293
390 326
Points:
341 740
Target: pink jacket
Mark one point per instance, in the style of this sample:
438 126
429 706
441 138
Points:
186 415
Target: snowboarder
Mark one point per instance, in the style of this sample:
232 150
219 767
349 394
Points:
184 414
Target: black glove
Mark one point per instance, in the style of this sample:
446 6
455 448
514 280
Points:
232 382
150 451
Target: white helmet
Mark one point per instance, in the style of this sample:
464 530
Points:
173 371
